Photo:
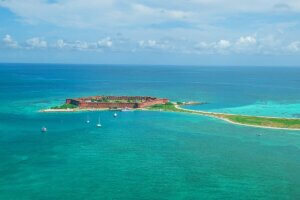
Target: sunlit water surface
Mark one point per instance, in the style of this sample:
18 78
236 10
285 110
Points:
147 155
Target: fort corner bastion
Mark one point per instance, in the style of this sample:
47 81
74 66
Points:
113 102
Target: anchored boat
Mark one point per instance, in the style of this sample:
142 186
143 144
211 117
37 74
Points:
99 124
44 129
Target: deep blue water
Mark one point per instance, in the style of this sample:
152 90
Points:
147 155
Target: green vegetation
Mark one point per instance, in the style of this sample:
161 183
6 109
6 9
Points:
103 100
241 119
265 121
165 107
65 106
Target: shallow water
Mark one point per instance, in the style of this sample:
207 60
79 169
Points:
147 155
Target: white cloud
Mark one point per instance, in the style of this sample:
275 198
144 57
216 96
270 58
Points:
270 45
246 41
148 43
74 13
80 45
294 46
94 14
36 43
246 44
76 45
248 6
223 44
10 42
60 44
219 47
118 13
105 43
202 45
161 13
193 19
267 45
154 44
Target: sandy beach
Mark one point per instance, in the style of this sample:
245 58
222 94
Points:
213 114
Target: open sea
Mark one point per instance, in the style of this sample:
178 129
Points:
147 155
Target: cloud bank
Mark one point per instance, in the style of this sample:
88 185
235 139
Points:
190 27
250 45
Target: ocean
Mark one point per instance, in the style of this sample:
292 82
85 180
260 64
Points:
147 155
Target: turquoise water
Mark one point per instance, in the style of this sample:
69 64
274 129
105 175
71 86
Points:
147 155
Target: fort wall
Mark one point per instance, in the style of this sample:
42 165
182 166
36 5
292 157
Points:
107 105
140 102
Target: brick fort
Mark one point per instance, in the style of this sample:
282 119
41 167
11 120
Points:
113 102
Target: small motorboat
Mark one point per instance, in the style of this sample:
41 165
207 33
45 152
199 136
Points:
44 129
115 114
99 124
87 120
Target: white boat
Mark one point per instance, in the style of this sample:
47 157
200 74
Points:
99 124
126 110
88 120
115 114
44 129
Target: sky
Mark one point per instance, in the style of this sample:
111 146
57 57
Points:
178 32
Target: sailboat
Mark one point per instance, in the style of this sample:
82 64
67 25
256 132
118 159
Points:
99 124
87 120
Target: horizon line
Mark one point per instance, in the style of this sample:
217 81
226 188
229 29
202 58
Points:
135 64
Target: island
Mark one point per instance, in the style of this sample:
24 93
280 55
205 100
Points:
147 103
246 120
107 103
